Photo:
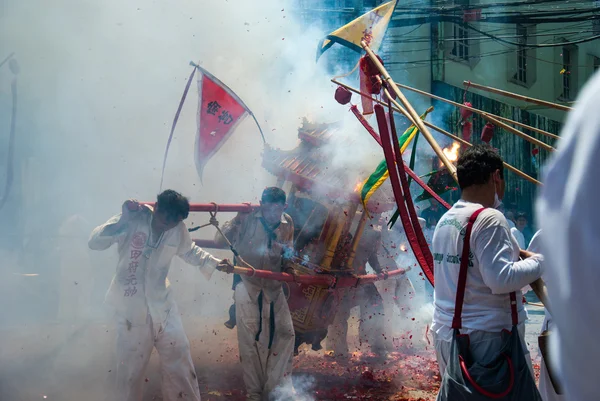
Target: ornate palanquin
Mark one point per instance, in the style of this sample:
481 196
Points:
323 205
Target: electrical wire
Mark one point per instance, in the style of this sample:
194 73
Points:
397 23
460 7
488 37
588 39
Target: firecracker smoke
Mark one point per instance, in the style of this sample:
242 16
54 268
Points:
99 86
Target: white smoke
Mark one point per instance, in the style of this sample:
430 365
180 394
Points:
98 89
302 389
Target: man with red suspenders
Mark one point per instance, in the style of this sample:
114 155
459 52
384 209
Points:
493 270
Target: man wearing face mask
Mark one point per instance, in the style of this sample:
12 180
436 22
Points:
494 270
264 240
147 317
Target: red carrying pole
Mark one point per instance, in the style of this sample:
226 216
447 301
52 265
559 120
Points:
226 208
327 280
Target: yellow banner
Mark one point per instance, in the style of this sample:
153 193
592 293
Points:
369 27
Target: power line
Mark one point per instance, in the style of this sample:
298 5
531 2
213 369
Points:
459 7
488 37
589 39
520 19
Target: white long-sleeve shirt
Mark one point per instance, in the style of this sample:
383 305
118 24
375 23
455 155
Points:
494 271
140 285
568 203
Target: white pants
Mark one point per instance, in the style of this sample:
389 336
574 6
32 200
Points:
484 346
371 325
134 347
264 369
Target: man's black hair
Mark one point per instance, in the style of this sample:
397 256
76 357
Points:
175 205
273 195
476 165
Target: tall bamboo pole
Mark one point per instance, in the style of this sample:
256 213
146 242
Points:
415 117
517 97
456 138
440 130
518 133
480 112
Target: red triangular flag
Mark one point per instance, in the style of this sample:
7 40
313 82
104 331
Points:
219 112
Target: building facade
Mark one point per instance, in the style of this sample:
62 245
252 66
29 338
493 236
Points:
544 49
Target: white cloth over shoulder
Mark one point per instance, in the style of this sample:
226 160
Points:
140 285
494 271
569 205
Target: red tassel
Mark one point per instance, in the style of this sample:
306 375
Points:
487 133
365 86
375 85
464 113
467 131
535 151
368 67
343 95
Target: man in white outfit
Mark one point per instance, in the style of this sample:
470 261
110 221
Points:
569 206
517 230
494 267
147 317
264 240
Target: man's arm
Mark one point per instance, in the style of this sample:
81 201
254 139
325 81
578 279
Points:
231 230
107 234
114 229
192 254
493 249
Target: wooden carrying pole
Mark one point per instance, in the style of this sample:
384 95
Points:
481 112
517 97
440 130
518 133
415 117
456 138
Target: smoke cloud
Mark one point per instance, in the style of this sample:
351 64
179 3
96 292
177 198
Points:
98 89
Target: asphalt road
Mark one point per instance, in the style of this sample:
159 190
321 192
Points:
76 362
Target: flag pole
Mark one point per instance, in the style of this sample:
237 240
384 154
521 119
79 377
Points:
175 119
477 111
259 129
401 109
415 117
7 58
517 96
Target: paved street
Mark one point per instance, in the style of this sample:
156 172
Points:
76 362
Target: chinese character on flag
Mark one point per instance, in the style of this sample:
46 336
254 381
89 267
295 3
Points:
219 112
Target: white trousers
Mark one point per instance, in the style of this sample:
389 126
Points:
264 369
371 324
134 347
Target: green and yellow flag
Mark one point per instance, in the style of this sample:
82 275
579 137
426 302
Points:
369 27
381 173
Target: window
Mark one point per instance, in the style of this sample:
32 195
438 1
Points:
521 74
567 84
596 63
460 47
371 3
